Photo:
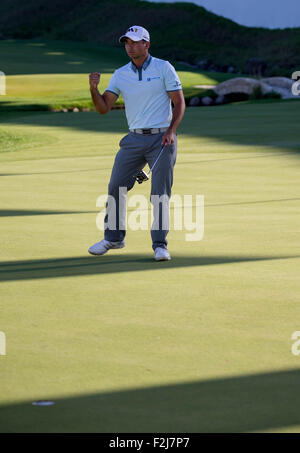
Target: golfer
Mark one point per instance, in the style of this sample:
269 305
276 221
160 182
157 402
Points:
148 85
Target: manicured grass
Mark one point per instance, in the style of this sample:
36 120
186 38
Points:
122 343
44 75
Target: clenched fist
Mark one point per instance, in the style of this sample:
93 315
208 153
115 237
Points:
94 79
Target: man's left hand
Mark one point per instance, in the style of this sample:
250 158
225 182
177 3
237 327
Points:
168 138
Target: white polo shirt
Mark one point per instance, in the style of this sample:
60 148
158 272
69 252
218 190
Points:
144 90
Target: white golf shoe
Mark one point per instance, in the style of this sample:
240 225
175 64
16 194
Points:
103 246
161 254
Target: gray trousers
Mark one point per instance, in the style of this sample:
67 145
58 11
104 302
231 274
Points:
136 150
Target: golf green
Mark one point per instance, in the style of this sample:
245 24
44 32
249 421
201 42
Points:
121 343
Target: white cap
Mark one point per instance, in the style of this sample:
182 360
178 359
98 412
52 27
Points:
136 33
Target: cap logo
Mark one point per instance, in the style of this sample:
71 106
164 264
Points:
133 30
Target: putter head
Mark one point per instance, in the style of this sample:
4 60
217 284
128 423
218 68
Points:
141 176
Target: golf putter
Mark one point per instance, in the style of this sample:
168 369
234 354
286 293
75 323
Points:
142 175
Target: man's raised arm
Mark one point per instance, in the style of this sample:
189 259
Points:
103 103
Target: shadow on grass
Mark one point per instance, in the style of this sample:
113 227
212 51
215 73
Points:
193 162
265 401
27 212
17 109
46 56
236 124
109 264
50 56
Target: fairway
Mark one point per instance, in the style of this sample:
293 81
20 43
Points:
54 74
121 343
